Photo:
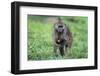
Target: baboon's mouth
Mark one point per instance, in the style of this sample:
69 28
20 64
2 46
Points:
58 40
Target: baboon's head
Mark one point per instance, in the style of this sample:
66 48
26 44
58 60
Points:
60 28
59 32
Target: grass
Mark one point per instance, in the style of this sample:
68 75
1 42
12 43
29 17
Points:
40 39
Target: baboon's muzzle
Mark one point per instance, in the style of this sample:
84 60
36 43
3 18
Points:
60 41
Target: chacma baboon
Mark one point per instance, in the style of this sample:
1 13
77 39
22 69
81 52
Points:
62 37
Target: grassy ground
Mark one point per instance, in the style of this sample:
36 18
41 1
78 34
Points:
40 39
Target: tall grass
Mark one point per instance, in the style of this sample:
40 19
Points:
40 39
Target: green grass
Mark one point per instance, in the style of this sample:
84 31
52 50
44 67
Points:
40 39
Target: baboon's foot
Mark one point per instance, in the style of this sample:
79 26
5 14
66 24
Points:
62 53
56 55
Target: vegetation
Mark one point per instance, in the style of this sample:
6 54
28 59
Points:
40 38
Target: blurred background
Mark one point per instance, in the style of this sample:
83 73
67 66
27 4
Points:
40 29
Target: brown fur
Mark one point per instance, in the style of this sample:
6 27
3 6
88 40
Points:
63 39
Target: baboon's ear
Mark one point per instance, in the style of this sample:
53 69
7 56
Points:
64 27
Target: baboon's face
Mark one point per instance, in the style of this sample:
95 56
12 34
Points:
60 29
59 33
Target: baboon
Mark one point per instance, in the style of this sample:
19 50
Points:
62 37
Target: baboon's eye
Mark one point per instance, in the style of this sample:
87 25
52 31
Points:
60 26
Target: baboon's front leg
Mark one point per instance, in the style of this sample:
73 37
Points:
55 50
66 50
62 51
